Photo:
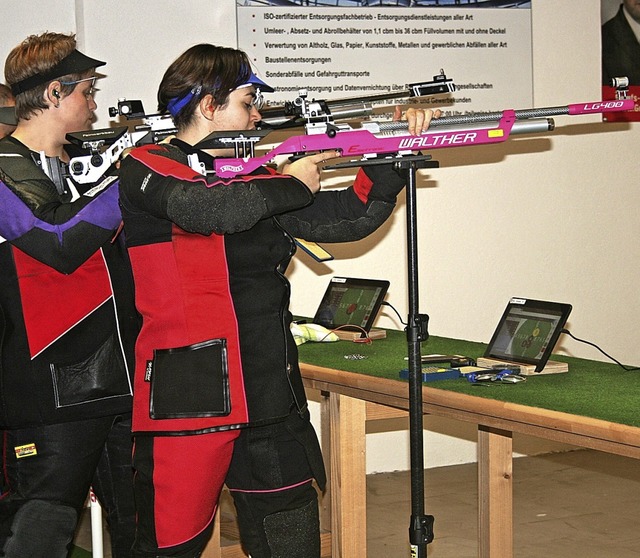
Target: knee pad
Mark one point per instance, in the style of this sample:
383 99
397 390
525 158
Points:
294 533
254 507
41 528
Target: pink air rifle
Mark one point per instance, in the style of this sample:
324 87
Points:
391 139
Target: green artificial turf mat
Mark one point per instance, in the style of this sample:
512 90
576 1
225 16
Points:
594 389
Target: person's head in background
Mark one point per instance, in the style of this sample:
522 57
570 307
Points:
7 111
53 87
633 8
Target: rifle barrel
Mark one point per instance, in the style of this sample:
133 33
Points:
531 126
523 114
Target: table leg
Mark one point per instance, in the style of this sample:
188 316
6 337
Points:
213 549
348 477
495 493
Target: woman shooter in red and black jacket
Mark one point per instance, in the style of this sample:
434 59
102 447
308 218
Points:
218 393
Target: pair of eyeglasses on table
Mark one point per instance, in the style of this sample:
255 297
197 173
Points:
504 376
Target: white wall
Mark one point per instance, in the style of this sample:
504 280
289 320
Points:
140 39
551 217
25 17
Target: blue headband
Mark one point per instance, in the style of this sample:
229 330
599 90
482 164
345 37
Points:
175 105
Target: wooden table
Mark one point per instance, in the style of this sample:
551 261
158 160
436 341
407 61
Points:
350 399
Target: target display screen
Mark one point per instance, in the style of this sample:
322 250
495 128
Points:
351 302
528 331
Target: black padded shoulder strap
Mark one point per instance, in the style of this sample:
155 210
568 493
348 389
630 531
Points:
22 175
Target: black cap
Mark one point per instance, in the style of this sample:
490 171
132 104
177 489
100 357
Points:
73 63
8 116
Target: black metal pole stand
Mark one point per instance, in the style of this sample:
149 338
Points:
421 526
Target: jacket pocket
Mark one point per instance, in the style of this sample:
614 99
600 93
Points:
190 382
102 375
